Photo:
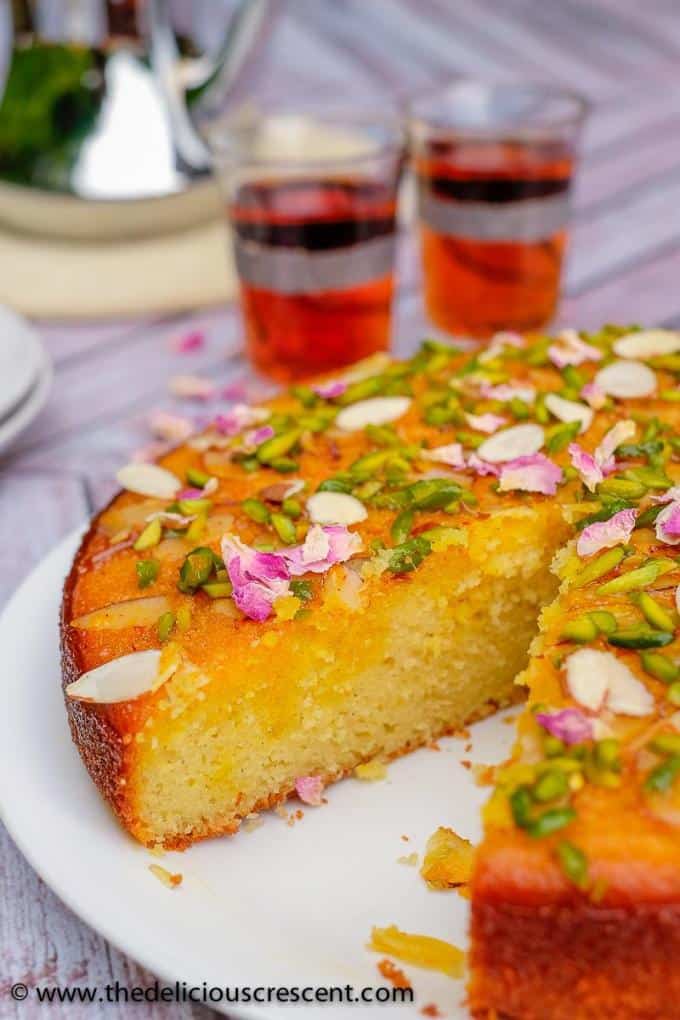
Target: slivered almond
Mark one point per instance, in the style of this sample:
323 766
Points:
626 380
123 679
142 612
149 480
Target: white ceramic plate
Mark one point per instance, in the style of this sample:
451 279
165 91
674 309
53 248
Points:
21 358
277 906
22 416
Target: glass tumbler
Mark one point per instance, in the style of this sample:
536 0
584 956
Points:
312 203
494 165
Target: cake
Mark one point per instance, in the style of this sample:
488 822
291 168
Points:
358 567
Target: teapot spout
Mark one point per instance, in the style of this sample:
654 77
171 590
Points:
210 93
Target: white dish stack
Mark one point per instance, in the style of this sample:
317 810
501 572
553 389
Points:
25 375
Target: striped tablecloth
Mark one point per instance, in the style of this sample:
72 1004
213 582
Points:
624 265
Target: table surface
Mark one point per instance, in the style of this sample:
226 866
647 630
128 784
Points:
624 266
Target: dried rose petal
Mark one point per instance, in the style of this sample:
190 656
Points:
481 467
589 470
569 725
605 534
239 417
172 427
189 342
486 422
323 547
330 390
593 395
310 789
535 473
569 349
508 391
667 525
620 433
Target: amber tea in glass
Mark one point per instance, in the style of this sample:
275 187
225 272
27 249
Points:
494 167
314 232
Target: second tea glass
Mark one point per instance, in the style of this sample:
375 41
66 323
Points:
494 165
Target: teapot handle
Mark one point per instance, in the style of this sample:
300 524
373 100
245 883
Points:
243 31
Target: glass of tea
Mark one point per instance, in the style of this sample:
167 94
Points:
312 204
494 166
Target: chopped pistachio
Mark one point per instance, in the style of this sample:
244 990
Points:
661 778
166 622
301 590
551 821
150 536
183 618
337 484
190 507
197 478
284 465
633 579
196 529
674 693
196 569
408 555
559 436
607 753
601 565
582 629
147 572
291 508
217 589
665 743
284 528
651 478
639 636
654 613
574 863
401 527
549 786
625 488
256 510
277 447
660 666
604 621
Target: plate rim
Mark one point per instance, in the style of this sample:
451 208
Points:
66 548
29 408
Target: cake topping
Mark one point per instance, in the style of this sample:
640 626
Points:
335 508
373 411
647 343
570 410
668 524
451 454
536 473
509 444
310 790
569 349
626 380
124 678
488 422
593 396
331 390
148 480
595 678
569 725
605 534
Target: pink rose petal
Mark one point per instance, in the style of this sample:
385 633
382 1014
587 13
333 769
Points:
589 470
620 433
569 725
189 342
254 437
481 467
330 390
593 395
667 524
310 789
323 547
669 496
191 494
239 417
604 534
258 578
569 349
487 423
235 391
536 473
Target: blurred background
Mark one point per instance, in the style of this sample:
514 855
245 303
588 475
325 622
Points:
114 238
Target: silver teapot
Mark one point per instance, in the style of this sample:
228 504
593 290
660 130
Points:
102 100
